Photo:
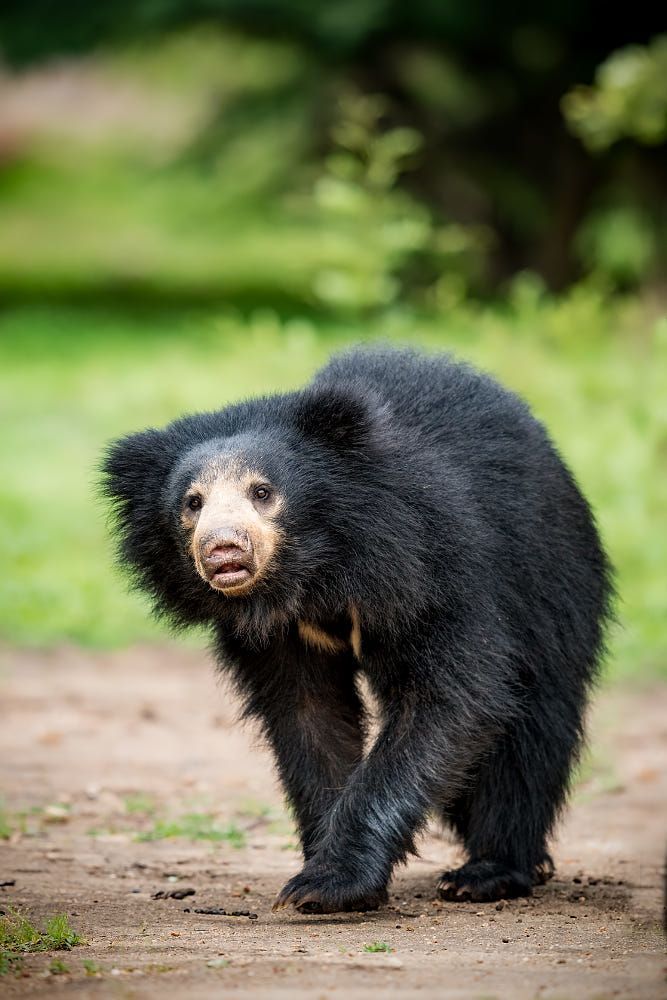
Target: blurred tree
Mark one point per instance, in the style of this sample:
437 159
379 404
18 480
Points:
481 84
624 235
627 100
384 243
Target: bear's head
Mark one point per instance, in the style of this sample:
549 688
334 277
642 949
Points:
229 499
264 503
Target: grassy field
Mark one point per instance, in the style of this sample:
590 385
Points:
72 378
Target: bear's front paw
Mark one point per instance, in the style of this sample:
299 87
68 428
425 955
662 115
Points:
328 892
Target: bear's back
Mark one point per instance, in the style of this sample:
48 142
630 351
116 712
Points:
438 400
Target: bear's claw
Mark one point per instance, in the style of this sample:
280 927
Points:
325 894
483 882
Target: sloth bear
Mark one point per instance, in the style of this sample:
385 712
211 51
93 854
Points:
405 518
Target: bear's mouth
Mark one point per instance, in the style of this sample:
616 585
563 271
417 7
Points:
228 568
230 575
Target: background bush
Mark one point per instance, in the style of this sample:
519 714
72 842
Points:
348 152
201 200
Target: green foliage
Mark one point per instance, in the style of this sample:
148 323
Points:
5 823
595 371
57 967
27 823
192 128
153 203
382 243
378 946
19 935
619 241
627 100
622 237
374 229
213 165
255 810
59 934
140 804
148 209
10 963
194 826
91 967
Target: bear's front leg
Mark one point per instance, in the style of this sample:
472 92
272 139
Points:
312 716
368 830
423 754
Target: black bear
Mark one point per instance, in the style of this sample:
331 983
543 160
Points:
405 518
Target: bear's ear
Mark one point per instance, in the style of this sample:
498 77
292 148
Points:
341 418
134 468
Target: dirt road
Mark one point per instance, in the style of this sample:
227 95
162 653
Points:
103 757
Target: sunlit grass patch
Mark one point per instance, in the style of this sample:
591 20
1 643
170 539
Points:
57 967
91 967
19 935
5 823
29 822
10 963
194 826
254 810
140 804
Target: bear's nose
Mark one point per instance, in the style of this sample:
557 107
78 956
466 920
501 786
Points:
225 542
223 553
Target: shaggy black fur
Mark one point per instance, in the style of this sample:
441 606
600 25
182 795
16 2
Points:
427 497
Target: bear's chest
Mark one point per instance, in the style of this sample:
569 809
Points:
334 635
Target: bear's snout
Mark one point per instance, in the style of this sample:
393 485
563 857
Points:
227 561
223 539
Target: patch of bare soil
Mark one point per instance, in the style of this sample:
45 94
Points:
98 751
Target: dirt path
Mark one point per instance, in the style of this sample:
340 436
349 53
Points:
98 749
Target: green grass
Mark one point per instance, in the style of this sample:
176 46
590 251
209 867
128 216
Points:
140 804
72 379
6 827
378 946
27 822
19 935
10 963
57 967
194 826
189 826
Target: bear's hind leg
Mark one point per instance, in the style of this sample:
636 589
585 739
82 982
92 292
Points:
507 814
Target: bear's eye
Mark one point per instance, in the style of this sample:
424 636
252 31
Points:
261 493
194 502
